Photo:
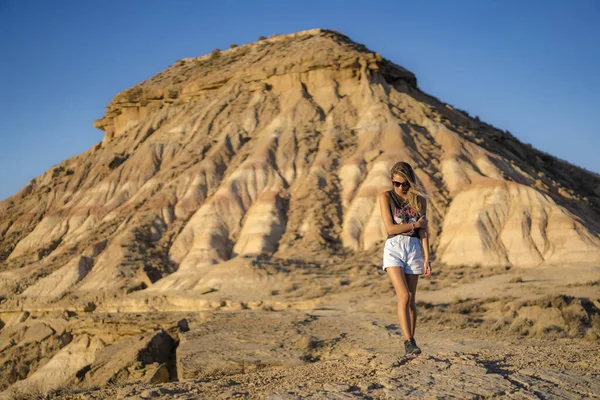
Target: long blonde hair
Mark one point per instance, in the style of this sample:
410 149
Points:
416 192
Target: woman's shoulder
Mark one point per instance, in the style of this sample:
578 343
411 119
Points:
385 196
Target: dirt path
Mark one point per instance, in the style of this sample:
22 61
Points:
360 355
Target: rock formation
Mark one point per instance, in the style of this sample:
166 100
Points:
277 145
276 149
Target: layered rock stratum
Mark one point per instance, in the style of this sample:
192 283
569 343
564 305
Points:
245 181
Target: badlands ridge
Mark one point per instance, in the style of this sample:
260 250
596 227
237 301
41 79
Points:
246 180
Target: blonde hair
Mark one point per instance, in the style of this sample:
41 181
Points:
416 192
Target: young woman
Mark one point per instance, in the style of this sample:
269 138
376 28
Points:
406 250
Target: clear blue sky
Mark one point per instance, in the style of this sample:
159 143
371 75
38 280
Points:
532 67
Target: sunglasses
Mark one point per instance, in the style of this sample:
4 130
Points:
403 184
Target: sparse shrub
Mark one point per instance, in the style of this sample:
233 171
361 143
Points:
547 158
261 37
216 53
521 326
57 171
594 332
233 46
516 279
134 95
554 330
140 286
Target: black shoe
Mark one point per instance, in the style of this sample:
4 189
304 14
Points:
417 350
410 347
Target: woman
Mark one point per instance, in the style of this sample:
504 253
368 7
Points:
406 250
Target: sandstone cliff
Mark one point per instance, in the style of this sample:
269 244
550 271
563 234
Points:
279 147
227 230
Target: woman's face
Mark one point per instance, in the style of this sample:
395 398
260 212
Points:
400 184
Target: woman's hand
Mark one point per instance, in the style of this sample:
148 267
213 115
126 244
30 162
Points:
422 222
427 268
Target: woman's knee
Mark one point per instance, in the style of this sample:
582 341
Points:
403 299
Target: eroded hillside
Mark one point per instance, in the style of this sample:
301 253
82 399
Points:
228 223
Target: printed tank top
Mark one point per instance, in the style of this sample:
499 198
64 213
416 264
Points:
402 213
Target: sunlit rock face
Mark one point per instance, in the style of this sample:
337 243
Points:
281 147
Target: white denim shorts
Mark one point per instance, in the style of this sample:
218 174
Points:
405 252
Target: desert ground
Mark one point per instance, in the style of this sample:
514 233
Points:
329 330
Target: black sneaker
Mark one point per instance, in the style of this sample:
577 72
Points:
410 348
416 350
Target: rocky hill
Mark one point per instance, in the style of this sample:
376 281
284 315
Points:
265 159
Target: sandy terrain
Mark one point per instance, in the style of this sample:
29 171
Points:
482 334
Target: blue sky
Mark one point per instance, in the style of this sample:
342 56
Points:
531 67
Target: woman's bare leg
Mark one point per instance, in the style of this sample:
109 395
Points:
396 274
411 282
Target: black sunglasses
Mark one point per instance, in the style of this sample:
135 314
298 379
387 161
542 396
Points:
398 184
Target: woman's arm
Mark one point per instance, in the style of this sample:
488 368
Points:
390 227
423 232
